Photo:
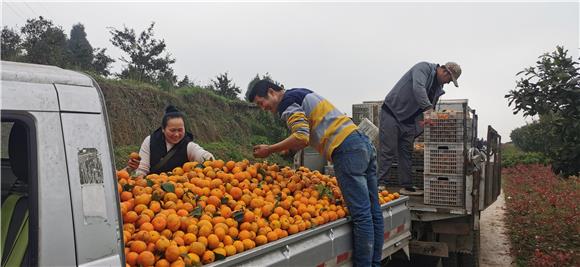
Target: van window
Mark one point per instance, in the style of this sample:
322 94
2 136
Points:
18 195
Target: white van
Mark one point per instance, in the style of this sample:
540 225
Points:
59 198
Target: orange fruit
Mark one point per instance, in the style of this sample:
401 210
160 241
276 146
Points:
249 216
162 244
189 238
213 241
236 193
135 155
138 246
159 223
132 257
173 222
244 234
130 217
192 259
208 257
217 164
230 165
220 232
178 263
123 174
126 195
172 253
197 248
146 258
261 240
162 263
239 245
272 236
213 200
248 244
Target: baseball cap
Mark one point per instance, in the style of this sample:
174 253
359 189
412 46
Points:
455 71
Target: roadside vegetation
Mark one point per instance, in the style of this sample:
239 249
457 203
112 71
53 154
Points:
543 216
542 165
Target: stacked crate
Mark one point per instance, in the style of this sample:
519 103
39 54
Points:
446 142
417 158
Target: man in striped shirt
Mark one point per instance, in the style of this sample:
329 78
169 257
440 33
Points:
314 121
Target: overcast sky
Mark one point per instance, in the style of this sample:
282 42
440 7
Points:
346 52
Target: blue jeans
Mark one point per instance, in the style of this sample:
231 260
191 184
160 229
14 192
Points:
356 172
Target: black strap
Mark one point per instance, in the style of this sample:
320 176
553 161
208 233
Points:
165 158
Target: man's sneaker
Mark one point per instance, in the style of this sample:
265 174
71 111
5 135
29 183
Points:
382 188
411 191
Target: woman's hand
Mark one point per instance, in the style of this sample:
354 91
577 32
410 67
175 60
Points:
134 160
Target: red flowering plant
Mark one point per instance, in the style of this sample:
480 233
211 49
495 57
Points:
542 216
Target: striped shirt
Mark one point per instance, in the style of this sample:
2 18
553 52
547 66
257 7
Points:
313 119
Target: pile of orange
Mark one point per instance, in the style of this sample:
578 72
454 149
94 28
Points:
200 213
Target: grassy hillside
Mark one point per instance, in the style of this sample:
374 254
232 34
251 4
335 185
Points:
227 128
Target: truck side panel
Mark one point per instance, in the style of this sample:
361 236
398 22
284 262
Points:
329 244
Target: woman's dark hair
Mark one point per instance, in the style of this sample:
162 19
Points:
171 112
260 88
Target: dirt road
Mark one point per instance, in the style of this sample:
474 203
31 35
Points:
495 245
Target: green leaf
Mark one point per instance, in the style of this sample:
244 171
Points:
196 212
155 196
262 172
219 257
168 187
127 187
199 165
149 182
238 215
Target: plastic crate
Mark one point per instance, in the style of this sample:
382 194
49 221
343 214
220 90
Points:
444 190
444 159
416 176
417 158
448 127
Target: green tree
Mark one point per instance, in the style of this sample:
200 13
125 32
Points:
44 43
102 62
529 137
11 44
185 82
225 86
145 62
80 49
551 90
167 79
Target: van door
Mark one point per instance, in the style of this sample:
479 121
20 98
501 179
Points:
93 183
33 164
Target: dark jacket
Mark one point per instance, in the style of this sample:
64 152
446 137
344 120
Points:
158 150
410 94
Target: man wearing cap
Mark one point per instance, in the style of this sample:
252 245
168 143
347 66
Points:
400 120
